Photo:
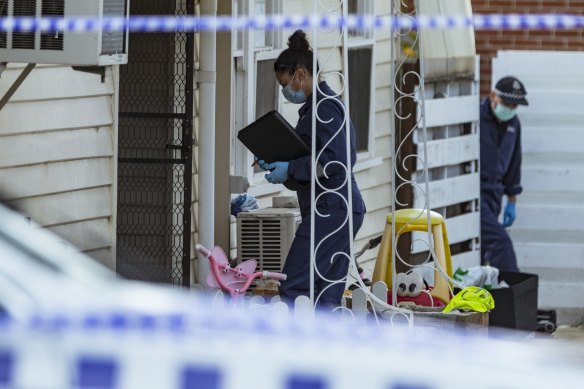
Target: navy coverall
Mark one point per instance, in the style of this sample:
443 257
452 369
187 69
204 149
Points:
500 174
332 237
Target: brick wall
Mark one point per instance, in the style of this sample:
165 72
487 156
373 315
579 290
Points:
489 42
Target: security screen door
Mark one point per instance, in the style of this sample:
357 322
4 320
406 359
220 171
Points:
155 151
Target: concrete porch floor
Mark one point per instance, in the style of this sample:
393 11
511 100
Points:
569 339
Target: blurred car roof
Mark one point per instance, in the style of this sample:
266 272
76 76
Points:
41 272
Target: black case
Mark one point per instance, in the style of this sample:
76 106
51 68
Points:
272 139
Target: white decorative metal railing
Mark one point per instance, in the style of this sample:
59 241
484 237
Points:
404 46
318 182
409 85
344 190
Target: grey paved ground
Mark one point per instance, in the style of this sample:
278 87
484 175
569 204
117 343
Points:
569 339
575 334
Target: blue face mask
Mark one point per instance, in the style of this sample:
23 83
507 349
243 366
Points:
504 113
293 96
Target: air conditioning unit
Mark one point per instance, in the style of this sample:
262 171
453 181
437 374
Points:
63 47
266 235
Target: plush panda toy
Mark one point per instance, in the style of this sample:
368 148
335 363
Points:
409 284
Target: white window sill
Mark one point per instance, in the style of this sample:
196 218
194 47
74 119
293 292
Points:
265 189
367 164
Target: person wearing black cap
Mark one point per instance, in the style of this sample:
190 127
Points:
500 169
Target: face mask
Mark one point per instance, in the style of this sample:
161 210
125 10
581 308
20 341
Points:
295 97
504 113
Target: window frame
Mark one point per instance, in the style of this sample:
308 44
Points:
366 39
246 56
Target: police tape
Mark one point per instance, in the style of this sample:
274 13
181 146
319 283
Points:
229 349
149 24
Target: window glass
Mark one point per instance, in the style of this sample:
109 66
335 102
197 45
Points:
359 7
260 35
360 73
360 61
237 36
266 88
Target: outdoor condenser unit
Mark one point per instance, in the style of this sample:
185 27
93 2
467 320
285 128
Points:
266 235
63 47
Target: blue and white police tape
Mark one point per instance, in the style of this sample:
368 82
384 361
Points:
229 349
81 24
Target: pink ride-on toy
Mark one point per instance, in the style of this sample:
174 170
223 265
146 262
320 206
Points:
235 280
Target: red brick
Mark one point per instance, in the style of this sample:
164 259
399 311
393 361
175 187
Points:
488 42
567 34
490 33
541 33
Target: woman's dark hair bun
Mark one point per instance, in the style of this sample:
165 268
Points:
298 41
298 54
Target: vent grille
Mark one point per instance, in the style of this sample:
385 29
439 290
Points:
24 40
261 239
52 40
60 47
113 41
3 13
266 236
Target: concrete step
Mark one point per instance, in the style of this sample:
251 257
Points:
559 275
560 294
546 236
542 198
559 262
573 317
549 254
555 218
565 298
555 172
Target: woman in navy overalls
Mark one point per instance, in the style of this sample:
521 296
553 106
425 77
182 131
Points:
294 72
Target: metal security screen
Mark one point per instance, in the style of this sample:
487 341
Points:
155 151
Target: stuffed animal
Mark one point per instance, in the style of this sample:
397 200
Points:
409 284
412 289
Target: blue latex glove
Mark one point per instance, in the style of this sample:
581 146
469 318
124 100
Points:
509 214
279 172
263 164
260 162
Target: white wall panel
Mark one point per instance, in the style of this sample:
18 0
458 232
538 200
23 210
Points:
451 110
50 178
50 115
57 153
18 150
451 116
549 232
56 82
85 235
452 151
450 191
48 210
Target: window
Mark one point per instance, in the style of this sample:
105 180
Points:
360 60
266 88
256 91
361 83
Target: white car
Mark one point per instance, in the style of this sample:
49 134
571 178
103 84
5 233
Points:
39 272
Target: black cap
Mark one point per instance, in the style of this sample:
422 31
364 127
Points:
511 91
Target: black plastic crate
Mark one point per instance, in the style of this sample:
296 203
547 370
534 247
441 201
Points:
516 306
